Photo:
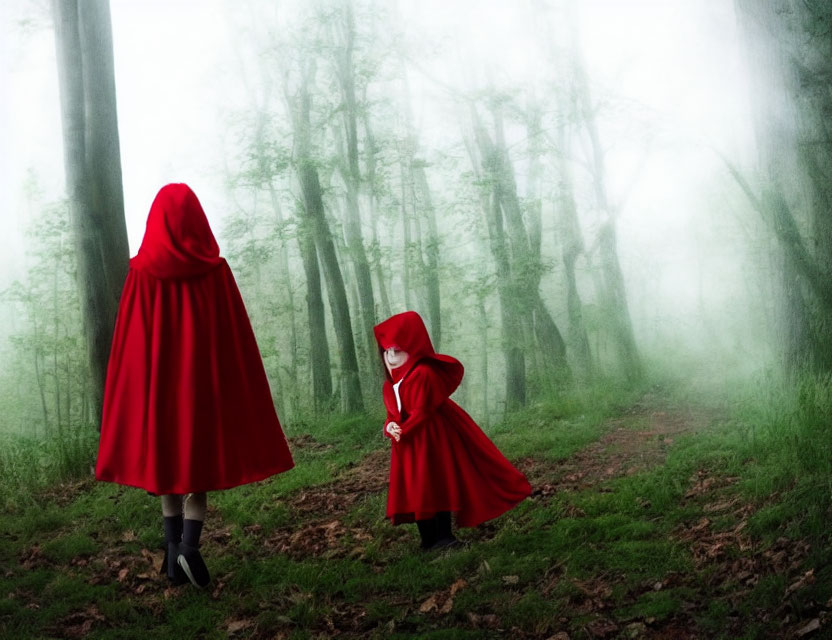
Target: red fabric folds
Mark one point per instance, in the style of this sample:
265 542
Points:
187 405
443 462
406 331
177 241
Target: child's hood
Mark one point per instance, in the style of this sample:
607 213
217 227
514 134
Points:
407 331
178 241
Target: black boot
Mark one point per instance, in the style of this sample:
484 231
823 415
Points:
427 531
189 558
173 534
444 536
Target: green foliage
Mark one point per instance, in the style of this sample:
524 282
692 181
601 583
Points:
538 568
46 430
28 464
788 434
562 424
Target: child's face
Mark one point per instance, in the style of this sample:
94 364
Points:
394 358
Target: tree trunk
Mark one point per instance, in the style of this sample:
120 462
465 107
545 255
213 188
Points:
375 248
573 247
318 342
59 417
550 343
534 325
540 328
339 239
512 349
515 364
83 42
265 179
614 299
351 398
85 403
483 327
285 271
431 251
406 274
789 46
417 247
352 180
41 382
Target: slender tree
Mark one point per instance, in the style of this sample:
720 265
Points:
614 296
484 162
83 42
533 329
573 246
430 246
789 46
371 152
351 175
300 105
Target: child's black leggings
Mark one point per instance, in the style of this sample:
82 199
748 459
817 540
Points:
434 529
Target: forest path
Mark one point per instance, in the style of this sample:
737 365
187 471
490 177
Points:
636 440
616 541
632 442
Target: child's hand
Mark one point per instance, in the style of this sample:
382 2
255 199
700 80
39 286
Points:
394 430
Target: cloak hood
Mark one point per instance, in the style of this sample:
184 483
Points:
177 243
407 332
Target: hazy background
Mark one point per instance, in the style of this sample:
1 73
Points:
669 75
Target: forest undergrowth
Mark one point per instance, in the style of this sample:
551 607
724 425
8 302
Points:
656 513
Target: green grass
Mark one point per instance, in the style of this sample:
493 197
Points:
547 566
31 464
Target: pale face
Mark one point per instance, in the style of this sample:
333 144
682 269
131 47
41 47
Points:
394 358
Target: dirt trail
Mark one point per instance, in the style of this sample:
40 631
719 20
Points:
319 530
635 441
624 448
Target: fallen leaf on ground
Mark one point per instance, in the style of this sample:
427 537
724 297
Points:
484 620
458 586
429 605
220 584
602 628
238 625
635 630
720 506
806 579
442 602
80 623
812 625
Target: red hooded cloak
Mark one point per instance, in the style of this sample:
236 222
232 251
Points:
187 406
443 462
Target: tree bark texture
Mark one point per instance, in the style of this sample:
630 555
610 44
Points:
351 397
83 43
614 300
789 47
352 180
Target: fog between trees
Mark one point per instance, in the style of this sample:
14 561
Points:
569 194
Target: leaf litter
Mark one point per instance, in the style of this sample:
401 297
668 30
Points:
729 555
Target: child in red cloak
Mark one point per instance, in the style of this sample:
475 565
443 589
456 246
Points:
441 461
187 406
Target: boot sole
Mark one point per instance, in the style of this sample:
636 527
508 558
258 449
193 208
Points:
183 562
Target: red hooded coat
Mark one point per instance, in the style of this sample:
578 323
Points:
187 405
443 462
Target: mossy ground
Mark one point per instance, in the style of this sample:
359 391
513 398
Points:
652 517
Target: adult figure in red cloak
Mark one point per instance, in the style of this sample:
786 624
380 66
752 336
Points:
441 461
187 406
